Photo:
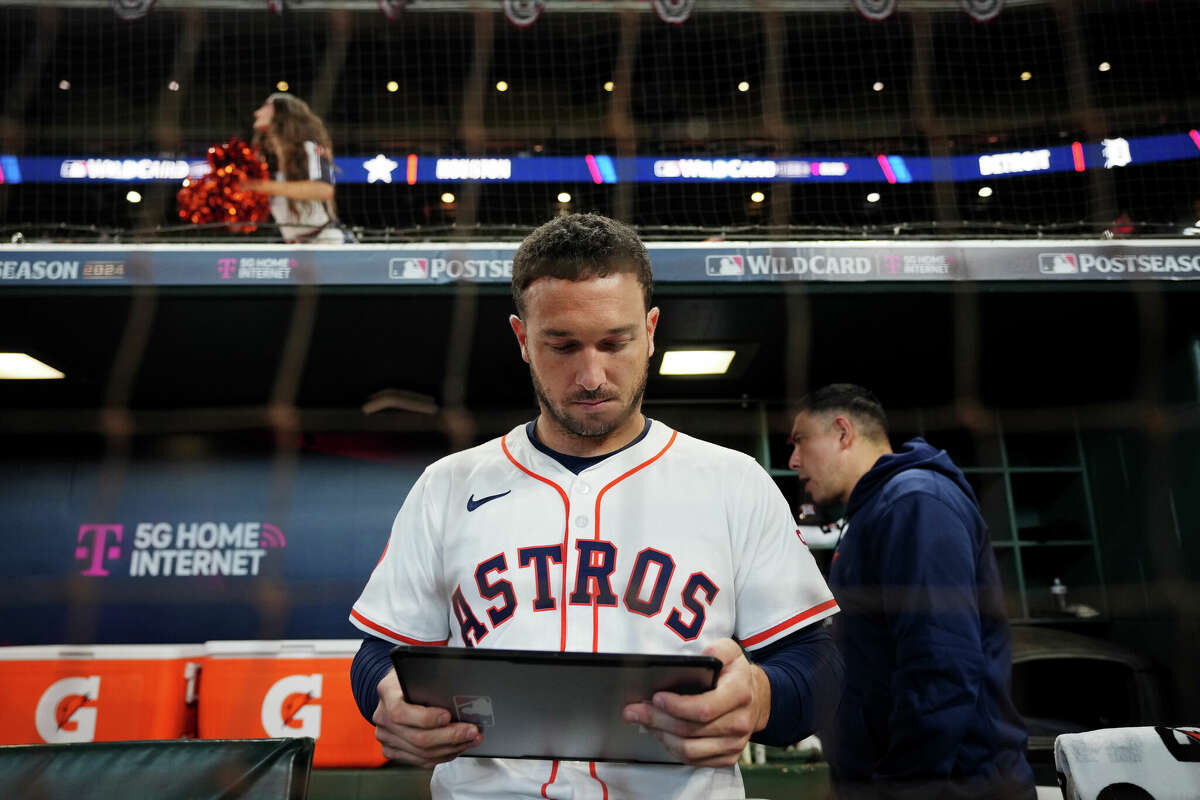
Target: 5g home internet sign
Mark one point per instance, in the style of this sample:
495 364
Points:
182 549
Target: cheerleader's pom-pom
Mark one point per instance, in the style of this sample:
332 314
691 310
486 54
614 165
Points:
219 196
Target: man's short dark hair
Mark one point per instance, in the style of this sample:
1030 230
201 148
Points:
580 246
850 399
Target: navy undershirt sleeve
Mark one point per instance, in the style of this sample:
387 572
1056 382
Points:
371 664
806 672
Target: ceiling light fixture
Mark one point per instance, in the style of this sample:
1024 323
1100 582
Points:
696 362
19 366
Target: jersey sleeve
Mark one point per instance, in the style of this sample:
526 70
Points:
320 168
779 586
403 601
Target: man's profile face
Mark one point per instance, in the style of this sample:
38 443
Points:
816 457
588 344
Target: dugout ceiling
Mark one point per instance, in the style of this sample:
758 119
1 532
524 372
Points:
1014 345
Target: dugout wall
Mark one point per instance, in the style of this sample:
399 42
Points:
276 425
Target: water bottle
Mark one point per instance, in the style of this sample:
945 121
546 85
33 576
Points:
1059 590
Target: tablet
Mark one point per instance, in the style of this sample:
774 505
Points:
538 704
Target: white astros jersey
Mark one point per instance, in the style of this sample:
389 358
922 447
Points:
663 547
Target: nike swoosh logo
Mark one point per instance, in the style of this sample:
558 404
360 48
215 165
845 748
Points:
473 504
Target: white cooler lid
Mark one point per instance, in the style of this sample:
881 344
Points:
100 652
282 648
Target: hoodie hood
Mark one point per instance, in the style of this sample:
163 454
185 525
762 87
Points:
913 454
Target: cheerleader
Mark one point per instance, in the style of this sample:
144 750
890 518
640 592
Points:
298 148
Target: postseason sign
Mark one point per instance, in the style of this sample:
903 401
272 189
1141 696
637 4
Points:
693 262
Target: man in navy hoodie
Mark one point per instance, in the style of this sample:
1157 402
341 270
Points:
926 711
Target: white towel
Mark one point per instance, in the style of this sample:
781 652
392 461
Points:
1107 764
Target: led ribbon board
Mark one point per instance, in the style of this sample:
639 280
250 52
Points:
592 168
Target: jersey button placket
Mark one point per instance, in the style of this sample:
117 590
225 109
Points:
583 498
582 501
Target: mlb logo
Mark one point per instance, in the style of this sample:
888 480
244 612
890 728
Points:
401 269
724 265
474 708
1058 263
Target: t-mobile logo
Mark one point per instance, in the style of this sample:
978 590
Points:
100 550
227 267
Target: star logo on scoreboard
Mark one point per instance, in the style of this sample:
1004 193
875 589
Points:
408 269
380 168
723 266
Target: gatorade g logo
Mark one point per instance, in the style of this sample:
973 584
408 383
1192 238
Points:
67 710
288 709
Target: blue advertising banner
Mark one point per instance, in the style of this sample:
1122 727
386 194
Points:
192 550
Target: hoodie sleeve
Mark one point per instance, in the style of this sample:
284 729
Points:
929 594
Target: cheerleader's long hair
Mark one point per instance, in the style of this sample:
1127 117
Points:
292 124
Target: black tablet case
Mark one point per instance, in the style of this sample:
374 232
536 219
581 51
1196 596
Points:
538 704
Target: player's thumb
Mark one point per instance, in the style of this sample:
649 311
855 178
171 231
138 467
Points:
390 693
727 650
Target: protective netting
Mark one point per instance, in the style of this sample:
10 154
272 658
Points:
307 409
771 119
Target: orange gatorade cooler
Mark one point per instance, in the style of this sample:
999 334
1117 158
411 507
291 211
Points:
291 687
98 693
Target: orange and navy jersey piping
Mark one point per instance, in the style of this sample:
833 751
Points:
566 549
393 635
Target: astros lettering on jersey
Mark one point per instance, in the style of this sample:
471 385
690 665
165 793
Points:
663 547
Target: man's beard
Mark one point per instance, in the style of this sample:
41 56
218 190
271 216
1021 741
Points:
589 428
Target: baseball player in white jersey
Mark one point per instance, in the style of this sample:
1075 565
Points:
595 529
